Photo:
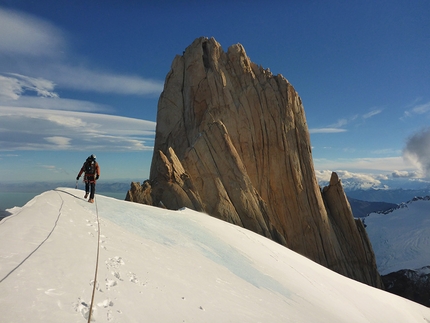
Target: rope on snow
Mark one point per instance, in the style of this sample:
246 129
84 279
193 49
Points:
97 262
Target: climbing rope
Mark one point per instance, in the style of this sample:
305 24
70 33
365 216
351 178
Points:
50 233
37 248
97 261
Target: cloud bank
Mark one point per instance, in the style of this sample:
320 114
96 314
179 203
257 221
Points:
351 180
41 129
378 181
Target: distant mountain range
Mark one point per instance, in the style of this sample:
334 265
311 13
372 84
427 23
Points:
396 196
361 209
39 187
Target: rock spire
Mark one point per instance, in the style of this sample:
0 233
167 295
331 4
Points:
232 141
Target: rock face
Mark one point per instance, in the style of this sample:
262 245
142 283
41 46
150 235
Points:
232 141
410 284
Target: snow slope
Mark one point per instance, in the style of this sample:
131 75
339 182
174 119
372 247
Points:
401 238
157 265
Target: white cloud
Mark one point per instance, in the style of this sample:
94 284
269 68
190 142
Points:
368 165
23 34
55 104
344 121
339 126
40 129
59 141
104 82
30 40
351 180
366 180
326 130
10 89
406 174
371 113
14 85
418 109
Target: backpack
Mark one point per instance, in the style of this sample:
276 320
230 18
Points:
90 166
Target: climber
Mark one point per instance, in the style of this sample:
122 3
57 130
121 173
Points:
92 173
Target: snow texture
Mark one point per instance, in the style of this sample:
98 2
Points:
401 238
157 265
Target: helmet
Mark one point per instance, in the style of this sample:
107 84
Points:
93 157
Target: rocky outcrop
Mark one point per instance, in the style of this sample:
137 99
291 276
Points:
411 284
141 193
232 141
358 246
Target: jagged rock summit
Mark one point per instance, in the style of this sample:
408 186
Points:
232 141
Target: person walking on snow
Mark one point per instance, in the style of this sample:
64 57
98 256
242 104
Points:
92 173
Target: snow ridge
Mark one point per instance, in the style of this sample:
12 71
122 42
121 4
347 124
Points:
158 265
404 204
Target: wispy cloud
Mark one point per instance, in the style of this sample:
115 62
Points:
13 85
30 40
83 79
56 104
418 110
16 90
371 113
326 130
23 34
339 126
367 165
32 114
40 129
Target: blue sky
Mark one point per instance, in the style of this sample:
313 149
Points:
84 77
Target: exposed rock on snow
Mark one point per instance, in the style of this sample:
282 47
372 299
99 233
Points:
232 141
411 284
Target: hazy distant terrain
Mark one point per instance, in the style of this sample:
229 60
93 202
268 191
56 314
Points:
362 209
396 196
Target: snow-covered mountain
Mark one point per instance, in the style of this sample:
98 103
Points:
396 196
400 237
156 265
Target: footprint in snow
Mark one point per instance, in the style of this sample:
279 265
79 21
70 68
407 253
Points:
114 262
106 303
117 275
83 308
133 278
97 285
110 283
